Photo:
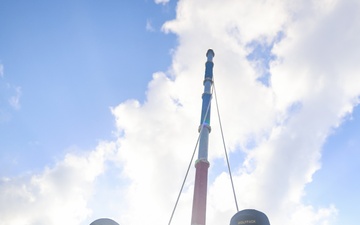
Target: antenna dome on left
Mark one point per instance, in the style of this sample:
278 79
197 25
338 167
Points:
104 221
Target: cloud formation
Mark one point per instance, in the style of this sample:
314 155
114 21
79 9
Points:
280 127
1 70
14 100
57 195
161 1
10 96
149 26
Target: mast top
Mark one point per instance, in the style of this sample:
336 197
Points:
210 55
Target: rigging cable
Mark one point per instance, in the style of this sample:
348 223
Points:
193 154
191 160
226 154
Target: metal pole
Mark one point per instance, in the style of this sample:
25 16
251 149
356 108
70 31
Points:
202 163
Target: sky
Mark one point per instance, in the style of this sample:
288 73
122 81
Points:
100 105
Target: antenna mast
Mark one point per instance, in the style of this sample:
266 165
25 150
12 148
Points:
202 164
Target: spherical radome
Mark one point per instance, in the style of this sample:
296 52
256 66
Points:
104 221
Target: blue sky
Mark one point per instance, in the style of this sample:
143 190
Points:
100 103
71 62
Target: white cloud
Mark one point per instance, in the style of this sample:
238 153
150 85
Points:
15 99
149 26
161 1
280 128
58 195
1 70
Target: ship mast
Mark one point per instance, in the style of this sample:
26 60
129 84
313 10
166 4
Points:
202 163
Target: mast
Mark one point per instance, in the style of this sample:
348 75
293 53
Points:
202 164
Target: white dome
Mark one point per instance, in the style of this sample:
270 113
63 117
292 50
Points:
104 221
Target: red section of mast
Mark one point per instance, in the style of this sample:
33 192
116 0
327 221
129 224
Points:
200 192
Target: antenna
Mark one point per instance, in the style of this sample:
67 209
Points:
202 164
104 221
250 216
